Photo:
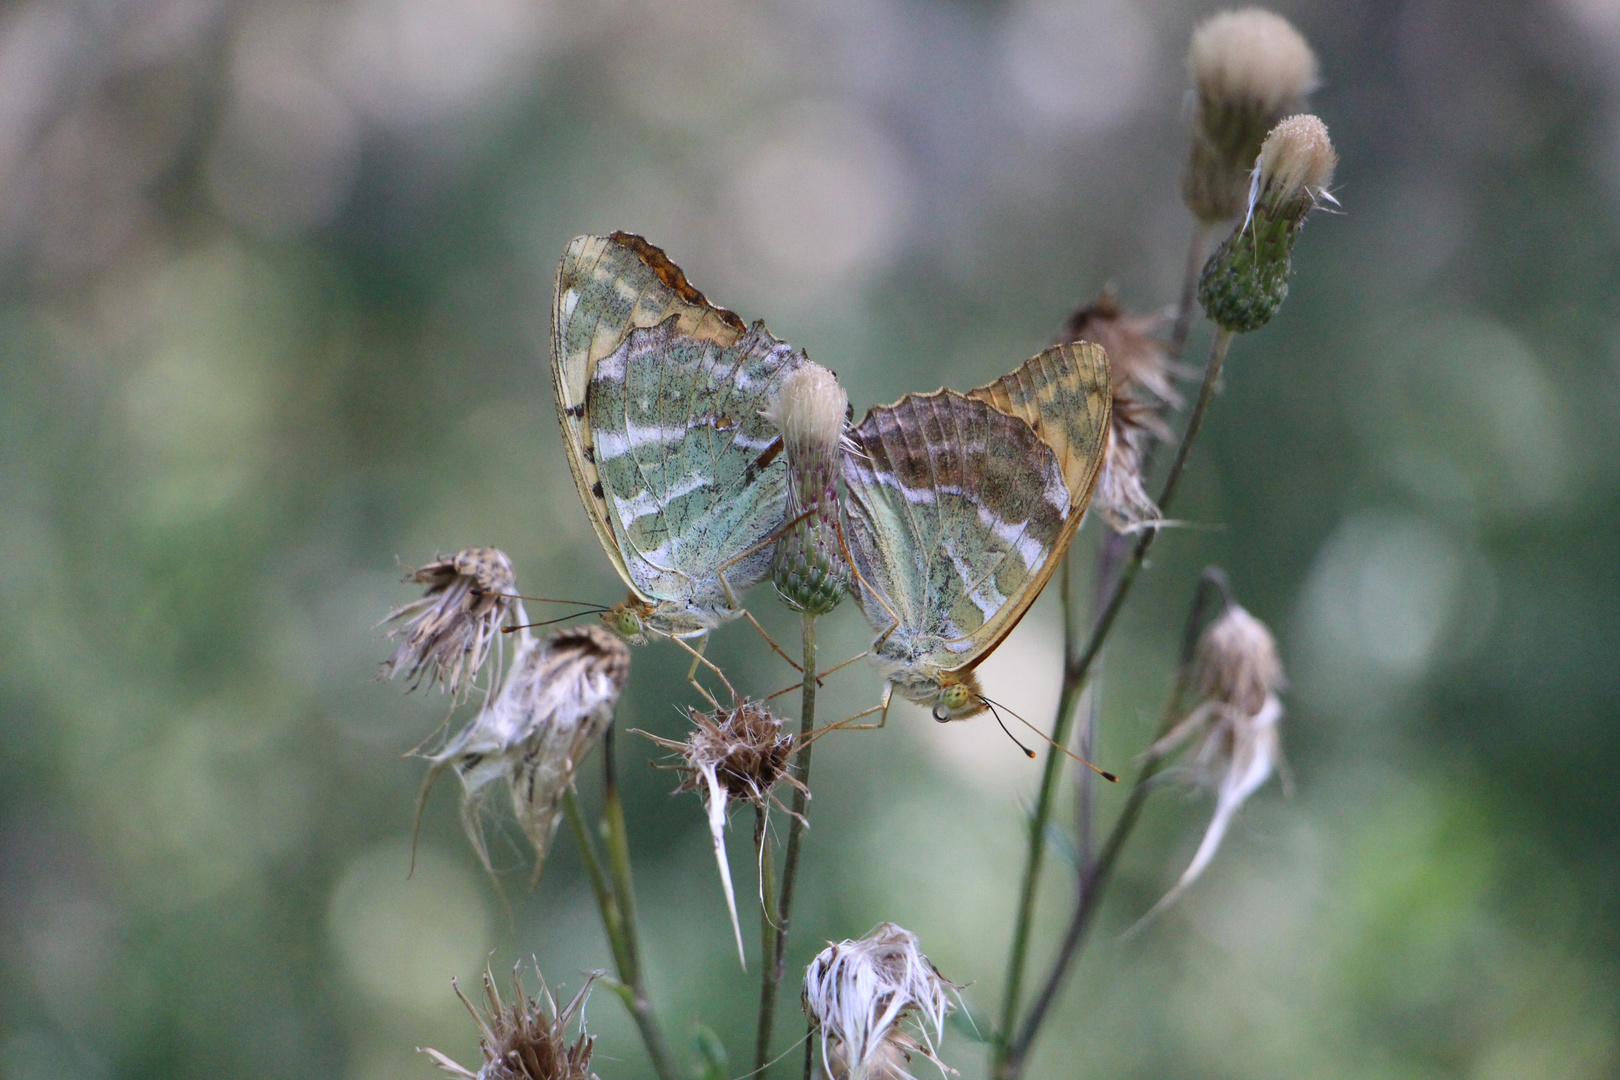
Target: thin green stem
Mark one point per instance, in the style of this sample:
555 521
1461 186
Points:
1074 678
790 859
1182 328
628 950
1094 881
612 920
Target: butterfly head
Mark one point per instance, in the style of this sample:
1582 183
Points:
959 697
626 620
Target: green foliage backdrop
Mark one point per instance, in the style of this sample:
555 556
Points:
274 295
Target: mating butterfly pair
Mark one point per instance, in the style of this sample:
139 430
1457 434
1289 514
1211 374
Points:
957 507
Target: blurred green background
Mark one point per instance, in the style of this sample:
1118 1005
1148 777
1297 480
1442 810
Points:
276 282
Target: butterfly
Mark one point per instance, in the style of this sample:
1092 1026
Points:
660 395
958 507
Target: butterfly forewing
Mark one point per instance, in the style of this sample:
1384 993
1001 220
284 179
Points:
1063 393
954 511
607 287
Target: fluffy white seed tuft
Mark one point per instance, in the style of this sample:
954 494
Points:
810 408
1251 57
1296 164
856 993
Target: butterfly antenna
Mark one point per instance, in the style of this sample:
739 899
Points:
1110 777
1027 751
476 591
558 619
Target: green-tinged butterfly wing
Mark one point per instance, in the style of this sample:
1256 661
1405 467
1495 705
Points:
691 475
608 286
955 512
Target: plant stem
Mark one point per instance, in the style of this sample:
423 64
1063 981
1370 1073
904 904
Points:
790 859
1074 676
615 896
1094 881
1188 304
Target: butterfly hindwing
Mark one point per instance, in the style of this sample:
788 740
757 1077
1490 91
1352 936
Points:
955 509
688 464
961 505
608 286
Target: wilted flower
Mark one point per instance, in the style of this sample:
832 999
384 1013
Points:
451 630
1140 377
556 703
527 1040
738 754
1250 68
808 567
858 993
1235 723
1246 280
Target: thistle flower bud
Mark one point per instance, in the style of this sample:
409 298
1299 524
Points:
1250 68
1234 722
450 631
808 567
739 754
527 1040
1246 280
858 993
555 705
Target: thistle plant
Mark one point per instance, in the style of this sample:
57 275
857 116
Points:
875 1004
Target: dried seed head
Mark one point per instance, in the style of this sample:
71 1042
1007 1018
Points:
450 631
528 1039
556 704
1140 376
808 567
737 754
1246 280
857 994
1250 68
1237 662
1235 724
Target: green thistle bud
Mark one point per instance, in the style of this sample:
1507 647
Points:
1249 68
1246 280
808 568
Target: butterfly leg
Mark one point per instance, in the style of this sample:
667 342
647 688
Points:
691 672
820 675
731 599
881 707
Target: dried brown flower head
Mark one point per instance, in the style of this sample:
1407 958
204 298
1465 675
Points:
1141 376
1250 68
450 632
1234 722
528 1039
858 993
555 705
732 755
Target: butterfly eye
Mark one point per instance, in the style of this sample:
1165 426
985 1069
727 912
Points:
952 700
629 623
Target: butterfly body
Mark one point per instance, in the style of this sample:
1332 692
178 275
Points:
960 506
659 394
